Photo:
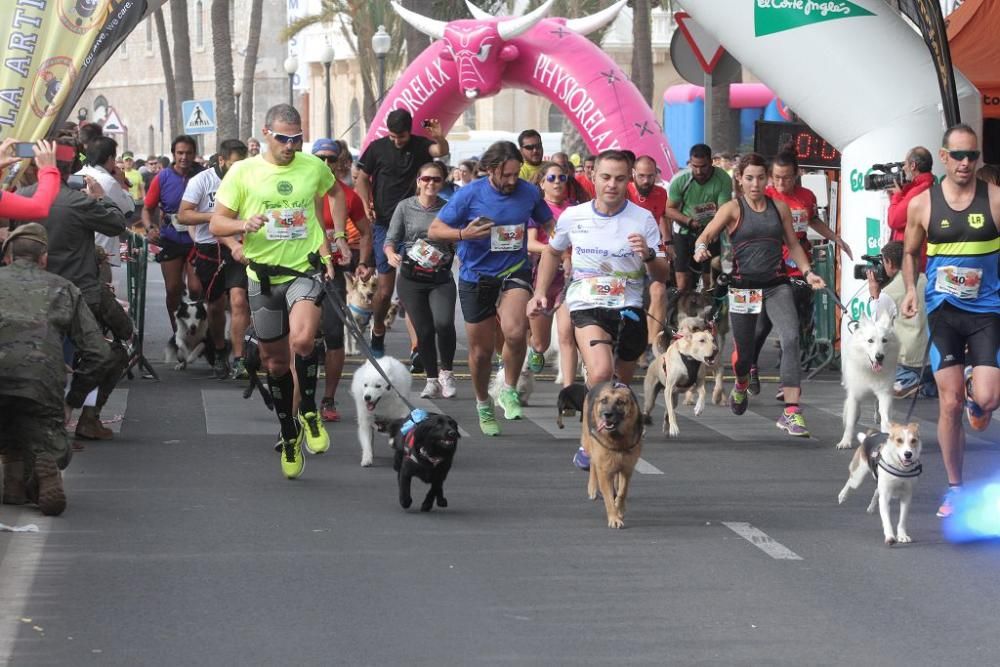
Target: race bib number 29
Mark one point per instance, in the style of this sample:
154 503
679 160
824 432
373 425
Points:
602 292
284 224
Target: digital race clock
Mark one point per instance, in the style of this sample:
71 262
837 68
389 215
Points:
812 150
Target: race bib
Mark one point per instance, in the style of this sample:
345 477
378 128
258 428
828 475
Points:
425 254
800 221
284 224
601 292
959 281
703 214
745 301
506 238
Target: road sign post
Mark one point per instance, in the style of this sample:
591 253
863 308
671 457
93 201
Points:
708 52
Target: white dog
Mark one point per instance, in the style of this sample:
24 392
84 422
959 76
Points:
377 403
869 367
894 460
192 331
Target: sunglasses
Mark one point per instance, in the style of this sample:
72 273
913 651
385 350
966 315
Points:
286 138
531 147
329 159
552 178
431 179
958 156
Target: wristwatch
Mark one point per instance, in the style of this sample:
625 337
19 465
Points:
650 255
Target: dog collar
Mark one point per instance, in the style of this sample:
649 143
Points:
894 471
416 417
360 311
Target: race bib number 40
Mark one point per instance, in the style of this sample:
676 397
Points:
601 292
506 238
284 224
959 281
745 301
424 254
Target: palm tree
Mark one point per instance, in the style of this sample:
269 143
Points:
642 47
225 108
249 68
173 106
180 30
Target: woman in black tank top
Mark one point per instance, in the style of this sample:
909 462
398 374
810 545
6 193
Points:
757 227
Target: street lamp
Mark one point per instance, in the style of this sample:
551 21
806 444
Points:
381 42
291 67
237 92
327 59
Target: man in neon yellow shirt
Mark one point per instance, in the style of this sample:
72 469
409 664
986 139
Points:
272 200
136 188
530 143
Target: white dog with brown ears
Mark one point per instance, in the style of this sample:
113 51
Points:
894 461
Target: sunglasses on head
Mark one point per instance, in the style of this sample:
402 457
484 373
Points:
431 179
286 138
552 178
531 147
958 156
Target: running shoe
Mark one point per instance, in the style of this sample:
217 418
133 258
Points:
378 345
416 363
979 419
239 370
536 361
497 361
487 420
432 389
739 400
317 440
780 396
646 358
447 381
510 403
793 423
948 502
220 369
328 410
754 387
292 461
581 460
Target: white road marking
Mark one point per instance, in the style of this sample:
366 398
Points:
19 566
762 541
644 467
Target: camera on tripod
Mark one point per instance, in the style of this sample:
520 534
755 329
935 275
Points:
872 263
890 174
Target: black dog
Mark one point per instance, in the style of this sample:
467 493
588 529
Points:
251 361
426 452
570 401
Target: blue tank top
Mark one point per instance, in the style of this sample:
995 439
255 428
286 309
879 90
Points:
963 249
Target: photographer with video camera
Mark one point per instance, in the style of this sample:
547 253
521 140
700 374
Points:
916 171
885 282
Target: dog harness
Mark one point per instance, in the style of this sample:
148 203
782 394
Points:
414 454
691 367
877 462
364 315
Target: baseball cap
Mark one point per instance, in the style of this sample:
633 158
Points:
31 231
127 155
325 144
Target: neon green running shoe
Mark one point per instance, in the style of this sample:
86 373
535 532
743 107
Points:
487 420
292 461
317 440
510 403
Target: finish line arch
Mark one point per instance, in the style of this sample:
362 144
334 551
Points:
476 58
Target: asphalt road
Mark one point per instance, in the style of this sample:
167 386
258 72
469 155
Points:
183 545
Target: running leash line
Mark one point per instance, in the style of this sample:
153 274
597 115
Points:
352 327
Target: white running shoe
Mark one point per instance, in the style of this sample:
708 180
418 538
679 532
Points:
447 381
432 389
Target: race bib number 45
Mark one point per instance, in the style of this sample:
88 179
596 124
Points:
284 224
506 238
959 281
601 292
745 301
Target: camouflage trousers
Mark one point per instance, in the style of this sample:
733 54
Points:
31 429
113 319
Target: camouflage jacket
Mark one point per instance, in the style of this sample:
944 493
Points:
37 310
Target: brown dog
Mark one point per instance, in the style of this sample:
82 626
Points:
612 438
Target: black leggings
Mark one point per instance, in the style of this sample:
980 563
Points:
779 307
803 295
431 308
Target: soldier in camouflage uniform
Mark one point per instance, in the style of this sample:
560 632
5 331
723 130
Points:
38 310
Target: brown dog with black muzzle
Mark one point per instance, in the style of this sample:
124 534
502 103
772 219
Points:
612 438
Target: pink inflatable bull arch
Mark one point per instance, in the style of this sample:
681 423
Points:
476 58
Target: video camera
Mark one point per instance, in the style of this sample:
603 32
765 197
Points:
890 174
872 263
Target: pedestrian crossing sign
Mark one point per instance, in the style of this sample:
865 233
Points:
199 116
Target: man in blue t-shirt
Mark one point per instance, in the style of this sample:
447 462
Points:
487 219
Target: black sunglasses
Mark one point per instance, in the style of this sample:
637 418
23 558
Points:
330 159
552 178
958 156
531 147
431 179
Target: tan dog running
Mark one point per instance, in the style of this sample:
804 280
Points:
683 367
612 437
894 461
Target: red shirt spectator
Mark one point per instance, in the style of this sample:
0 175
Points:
587 185
802 203
901 199
655 202
355 211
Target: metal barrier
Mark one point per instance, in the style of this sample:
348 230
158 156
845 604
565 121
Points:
136 259
818 349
